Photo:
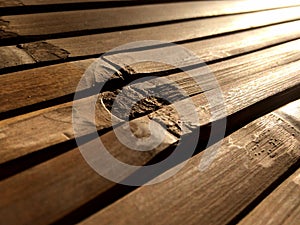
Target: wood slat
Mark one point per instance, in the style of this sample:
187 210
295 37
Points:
248 162
68 175
43 187
53 125
208 50
12 56
280 207
14 3
5 3
95 19
94 45
99 43
24 84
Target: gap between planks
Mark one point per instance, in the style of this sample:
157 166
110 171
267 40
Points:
208 50
250 161
16 7
24 84
34 25
281 207
98 43
68 175
54 124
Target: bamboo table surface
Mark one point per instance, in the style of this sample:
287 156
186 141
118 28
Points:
252 48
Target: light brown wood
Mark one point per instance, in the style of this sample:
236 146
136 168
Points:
52 126
96 44
254 55
51 23
69 173
65 173
210 49
29 87
280 207
100 43
12 56
275 4
248 162
9 3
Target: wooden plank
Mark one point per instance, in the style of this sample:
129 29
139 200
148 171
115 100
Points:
280 207
74 177
211 49
48 2
68 175
28 87
5 3
96 19
53 125
14 3
12 56
8 3
99 43
248 162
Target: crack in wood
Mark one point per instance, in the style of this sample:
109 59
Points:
43 51
139 109
4 33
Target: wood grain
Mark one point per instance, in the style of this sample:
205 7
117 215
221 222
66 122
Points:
96 44
10 3
53 125
68 173
76 21
6 3
99 43
282 205
29 87
210 49
65 173
12 56
248 162
44 178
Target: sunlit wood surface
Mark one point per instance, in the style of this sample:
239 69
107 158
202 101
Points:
252 48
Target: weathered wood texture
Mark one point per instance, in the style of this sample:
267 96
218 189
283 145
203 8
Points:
69 173
248 162
254 53
53 125
100 43
263 5
29 87
94 45
50 23
12 56
207 50
281 207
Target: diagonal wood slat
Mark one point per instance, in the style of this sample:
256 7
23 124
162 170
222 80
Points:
99 43
249 161
93 45
208 50
263 5
280 207
253 50
54 124
50 23
70 173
